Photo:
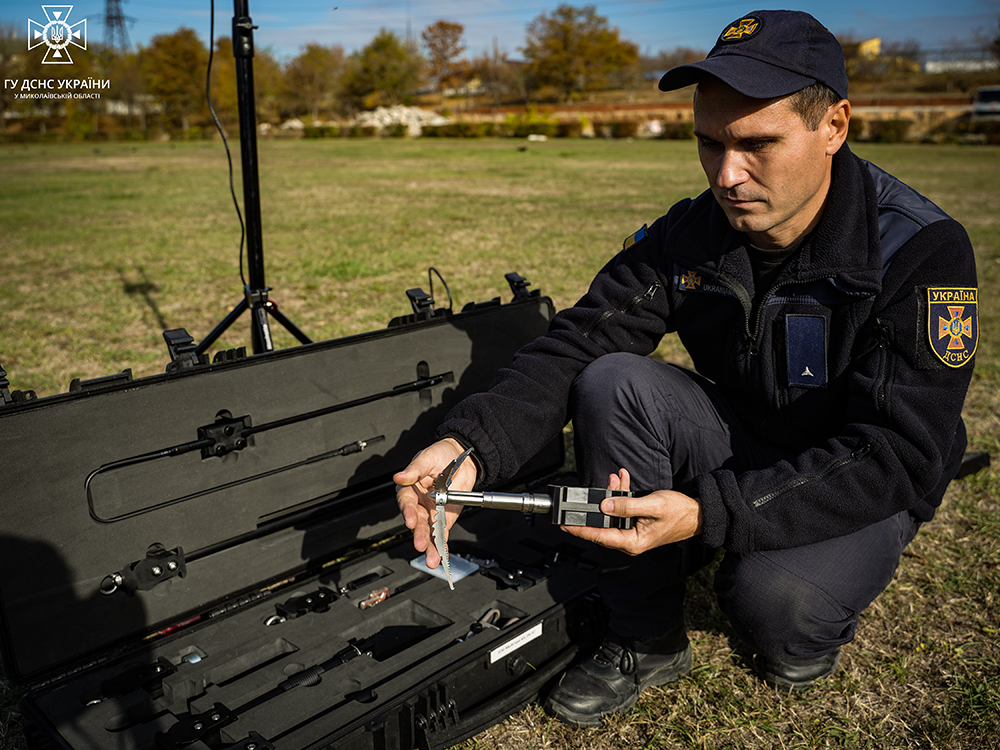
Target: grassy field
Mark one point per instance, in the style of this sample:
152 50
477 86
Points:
104 247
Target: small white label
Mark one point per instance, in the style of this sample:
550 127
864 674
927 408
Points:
515 643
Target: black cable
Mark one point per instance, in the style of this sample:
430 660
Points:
218 126
430 283
177 450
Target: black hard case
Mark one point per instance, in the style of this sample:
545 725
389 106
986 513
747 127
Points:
159 591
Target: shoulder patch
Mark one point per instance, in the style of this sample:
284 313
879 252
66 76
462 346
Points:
690 280
635 238
953 324
741 30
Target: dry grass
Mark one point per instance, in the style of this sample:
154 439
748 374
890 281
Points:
104 248
923 672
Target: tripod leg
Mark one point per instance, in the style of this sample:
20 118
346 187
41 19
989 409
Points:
287 324
221 328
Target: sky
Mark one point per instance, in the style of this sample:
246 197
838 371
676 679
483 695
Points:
284 26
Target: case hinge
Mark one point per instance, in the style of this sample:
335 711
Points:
7 396
108 381
436 713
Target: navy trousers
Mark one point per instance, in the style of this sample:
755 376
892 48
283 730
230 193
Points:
666 425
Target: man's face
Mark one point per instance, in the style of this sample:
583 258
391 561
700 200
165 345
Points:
767 170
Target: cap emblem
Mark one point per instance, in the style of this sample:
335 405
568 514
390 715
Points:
742 29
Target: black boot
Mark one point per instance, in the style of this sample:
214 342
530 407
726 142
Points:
611 680
791 677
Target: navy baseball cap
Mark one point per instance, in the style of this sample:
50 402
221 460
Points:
769 53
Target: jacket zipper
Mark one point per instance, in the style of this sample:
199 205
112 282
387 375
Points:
744 297
856 455
647 295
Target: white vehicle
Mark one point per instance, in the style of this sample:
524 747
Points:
986 103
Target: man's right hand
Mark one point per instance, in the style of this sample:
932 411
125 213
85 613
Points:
417 480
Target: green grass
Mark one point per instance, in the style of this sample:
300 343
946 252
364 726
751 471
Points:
348 227
102 248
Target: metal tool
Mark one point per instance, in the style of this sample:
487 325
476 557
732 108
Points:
565 506
440 497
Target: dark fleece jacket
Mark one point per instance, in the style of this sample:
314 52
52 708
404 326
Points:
839 368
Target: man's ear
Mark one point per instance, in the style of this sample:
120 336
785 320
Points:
836 122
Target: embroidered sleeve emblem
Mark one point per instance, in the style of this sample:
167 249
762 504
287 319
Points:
953 324
689 280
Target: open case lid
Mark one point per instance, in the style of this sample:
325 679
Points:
118 519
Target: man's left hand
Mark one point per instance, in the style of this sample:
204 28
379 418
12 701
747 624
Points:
662 517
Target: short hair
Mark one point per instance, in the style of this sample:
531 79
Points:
812 102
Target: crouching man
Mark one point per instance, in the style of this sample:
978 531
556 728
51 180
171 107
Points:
830 312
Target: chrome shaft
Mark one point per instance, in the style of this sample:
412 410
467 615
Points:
527 502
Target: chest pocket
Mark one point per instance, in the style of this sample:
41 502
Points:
806 350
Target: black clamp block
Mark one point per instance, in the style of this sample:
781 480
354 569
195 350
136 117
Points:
253 742
204 727
228 434
511 575
581 506
148 677
159 565
304 604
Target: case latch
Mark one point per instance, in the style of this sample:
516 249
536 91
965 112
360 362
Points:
421 302
519 286
183 351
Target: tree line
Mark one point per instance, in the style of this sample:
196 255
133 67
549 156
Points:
569 53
